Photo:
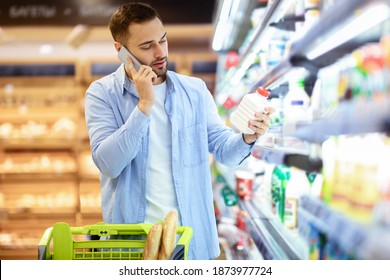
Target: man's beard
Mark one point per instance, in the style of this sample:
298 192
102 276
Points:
161 72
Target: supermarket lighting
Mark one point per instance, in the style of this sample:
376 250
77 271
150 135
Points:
225 23
367 20
46 49
224 16
219 35
241 71
78 35
222 25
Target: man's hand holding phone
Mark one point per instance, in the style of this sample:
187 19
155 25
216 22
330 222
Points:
143 79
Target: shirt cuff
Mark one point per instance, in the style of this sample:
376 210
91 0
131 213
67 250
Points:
242 147
242 134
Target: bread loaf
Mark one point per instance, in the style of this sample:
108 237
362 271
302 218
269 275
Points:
153 241
168 242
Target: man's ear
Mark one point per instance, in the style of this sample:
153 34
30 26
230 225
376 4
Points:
117 46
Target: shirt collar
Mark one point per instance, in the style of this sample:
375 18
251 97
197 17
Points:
170 84
127 85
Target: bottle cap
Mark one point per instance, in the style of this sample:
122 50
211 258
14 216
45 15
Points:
262 91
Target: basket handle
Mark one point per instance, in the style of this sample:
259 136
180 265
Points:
44 243
62 241
185 238
186 235
102 229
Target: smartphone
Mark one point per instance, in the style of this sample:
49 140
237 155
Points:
124 53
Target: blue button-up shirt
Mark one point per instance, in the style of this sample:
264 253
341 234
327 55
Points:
119 138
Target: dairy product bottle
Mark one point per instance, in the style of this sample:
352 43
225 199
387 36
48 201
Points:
251 103
296 105
297 185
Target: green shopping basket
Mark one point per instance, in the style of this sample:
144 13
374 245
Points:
62 242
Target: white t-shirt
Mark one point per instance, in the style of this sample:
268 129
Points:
160 192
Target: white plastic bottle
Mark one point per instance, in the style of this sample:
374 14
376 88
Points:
297 185
296 105
251 103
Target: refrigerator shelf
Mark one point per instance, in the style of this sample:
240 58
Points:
362 241
309 50
272 238
299 158
350 117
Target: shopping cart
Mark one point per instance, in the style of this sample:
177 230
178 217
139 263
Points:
62 242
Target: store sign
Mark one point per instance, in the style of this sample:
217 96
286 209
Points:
96 12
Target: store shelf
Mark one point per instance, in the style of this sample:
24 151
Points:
38 144
316 44
352 117
299 158
24 114
322 45
90 197
42 131
86 166
272 238
38 176
309 50
316 48
273 12
274 75
18 253
358 240
44 211
20 232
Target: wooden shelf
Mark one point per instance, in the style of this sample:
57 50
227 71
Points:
18 253
44 129
20 176
50 115
38 143
45 211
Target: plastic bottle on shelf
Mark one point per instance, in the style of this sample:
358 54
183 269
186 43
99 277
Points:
274 135
365 191
280 177
295 107
341 175
329 148
297 185
251 103
381 212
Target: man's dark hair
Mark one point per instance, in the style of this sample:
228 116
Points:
133 12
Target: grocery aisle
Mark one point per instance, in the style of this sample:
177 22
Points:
317 185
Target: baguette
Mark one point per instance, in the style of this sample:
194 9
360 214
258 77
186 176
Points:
168 236
153 241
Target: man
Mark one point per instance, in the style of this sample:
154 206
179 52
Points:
151 131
